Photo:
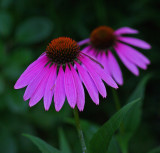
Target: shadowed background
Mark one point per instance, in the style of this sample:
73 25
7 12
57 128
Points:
27 26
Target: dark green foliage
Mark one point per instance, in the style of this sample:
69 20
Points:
33 30
156 150
42 145
133 118
101 139
64 143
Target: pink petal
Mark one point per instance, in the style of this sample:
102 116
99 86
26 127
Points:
85 41
89 51
38 94
100 72
93 52
135 42
96 78
131 54
89 84
125 30
48 94
70 88
134 52
86 49
79 89
32 87
104 62
114 68
31 71
59 92
127 63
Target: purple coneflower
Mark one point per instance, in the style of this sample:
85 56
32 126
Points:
59 72
103 38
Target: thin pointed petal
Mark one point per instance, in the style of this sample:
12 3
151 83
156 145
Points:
70 88
90 51
96 78
32 87
59 92
31 71
131 54
100 72
135 42
39 93
85 41
125 30
127 63
114 68
79 90
86 49
104 61
49 90
89 84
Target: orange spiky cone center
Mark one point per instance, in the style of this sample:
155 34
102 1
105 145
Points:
63 50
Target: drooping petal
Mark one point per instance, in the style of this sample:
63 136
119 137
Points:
70 88
127 63
32 87
114 68
125 30
49 90
135 42
89 84
59 91
130 54
90 51
31 71
93 52
107 78
79 90
86 49
39 92
104 61
133 52
96 78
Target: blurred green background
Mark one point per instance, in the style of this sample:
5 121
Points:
27 26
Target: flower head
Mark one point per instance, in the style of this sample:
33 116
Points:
103 39
59 73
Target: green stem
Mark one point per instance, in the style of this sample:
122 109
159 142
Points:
80 133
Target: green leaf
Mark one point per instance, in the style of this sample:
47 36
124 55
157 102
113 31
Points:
42 145
156 150
33 30
133 118
113 146
101 139
64 146
140 89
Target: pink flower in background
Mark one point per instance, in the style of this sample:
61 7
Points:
59 72
103 38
